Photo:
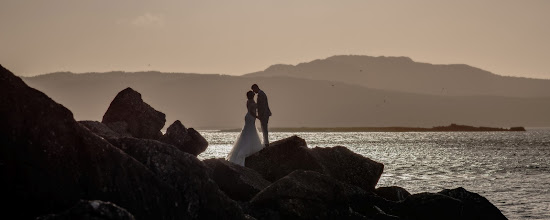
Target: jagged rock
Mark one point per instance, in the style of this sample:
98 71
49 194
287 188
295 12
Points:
238 182
312 195
201 197
428 206
92 210
283 157
197 143
475 206
48 162
101 129
143 121
392 193
290 154
175 134
344 165
187 140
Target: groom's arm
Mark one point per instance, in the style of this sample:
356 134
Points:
266 105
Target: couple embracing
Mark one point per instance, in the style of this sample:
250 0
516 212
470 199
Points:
248 141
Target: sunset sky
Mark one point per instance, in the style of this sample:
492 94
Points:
242 36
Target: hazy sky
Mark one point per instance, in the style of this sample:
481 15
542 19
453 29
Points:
238 36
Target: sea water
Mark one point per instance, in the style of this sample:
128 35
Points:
510 169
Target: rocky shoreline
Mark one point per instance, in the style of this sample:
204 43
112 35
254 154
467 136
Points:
54 167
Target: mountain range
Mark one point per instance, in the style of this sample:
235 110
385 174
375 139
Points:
340 91
405 75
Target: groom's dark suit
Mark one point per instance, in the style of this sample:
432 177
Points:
263 114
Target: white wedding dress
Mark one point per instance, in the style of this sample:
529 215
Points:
248 142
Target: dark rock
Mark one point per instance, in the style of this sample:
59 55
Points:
475 206
201 197
196 143
143 121
392 193
427 206
312 195
517 129
344 165
238 182
187 140
283 157
48 162
92 210
101 129
120 127
290 154
175 134
249 217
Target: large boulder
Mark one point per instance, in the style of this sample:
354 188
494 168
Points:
48 162
120 127
392 193
92 210
238 182
175 134
282 158
312 195
287 155
187 140
344 165
428 206
141 119
456 204
102 130
201 197
475 206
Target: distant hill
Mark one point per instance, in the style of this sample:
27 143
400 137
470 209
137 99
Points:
405 75
218 101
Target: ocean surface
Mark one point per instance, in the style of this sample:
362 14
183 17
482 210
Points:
510 169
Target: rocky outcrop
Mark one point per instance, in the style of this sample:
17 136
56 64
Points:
102 130
196 144
475 206
448 204
48 162
392 193
517 129
312 195
120 127
239 183
187 140
141 119
456 127
283 157
175 134
92 210
427 206
201 197
344 165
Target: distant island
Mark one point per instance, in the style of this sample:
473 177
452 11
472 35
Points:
450 128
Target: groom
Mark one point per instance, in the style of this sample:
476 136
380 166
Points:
263 111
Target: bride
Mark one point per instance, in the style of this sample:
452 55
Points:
248 142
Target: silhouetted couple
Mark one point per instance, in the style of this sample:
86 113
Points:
248 142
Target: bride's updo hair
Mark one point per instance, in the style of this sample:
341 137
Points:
250 94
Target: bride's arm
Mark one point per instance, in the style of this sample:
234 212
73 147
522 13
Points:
252 109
